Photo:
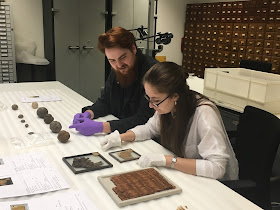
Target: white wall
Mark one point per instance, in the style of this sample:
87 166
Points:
171 18
28 22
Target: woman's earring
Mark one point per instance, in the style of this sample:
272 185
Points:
175 103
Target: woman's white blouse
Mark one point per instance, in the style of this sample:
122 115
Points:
207 142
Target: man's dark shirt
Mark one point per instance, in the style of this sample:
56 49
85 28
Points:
128 104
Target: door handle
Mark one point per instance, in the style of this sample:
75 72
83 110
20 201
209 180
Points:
87 48
73 47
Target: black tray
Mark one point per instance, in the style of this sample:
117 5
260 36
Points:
94 157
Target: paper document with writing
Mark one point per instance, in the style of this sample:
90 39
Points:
26 99
62 201
28 174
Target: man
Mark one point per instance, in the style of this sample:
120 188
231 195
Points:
123 95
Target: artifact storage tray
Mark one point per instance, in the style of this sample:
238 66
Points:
125 155
137 186
86 162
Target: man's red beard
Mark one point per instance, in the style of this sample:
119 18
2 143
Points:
125 80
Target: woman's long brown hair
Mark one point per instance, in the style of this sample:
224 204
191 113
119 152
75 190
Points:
170 78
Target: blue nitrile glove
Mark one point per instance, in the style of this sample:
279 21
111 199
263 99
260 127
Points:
86 114
87 127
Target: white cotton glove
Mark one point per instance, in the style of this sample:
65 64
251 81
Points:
148 160
111 140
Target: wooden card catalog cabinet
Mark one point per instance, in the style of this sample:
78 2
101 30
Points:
232 31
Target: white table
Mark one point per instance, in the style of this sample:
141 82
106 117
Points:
198 192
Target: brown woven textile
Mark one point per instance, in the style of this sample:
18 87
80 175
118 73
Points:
139 183
126 155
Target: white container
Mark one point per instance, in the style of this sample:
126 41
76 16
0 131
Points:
237 87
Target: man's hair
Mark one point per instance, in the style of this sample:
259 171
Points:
116 37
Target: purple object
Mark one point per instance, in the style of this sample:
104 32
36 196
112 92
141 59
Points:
77 116
87 127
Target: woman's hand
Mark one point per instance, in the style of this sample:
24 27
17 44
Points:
148 160
111 140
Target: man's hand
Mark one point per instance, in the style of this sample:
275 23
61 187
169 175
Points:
149 160
77 116
87 127
111 140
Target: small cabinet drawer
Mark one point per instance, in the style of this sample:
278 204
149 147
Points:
276 44
275 60
249 56
241 56
267 51
233 62
243 35
277 27
227 48
222 33
275 68
228 34
277 37
227 54
234 55
270 27
259 43
266 58
229 26
242 49
237 26
235 42
269 35
250 50
251 34
221 40
244 27
242 42
260 35
251 42
260 27
252 27
257 57
276 52
235 34
234 48
268 43
258 50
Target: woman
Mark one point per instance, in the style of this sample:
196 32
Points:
188 124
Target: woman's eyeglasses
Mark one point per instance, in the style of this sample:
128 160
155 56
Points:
154 104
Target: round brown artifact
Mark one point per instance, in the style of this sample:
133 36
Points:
48 118
14 107
41 112
26 125
34 105
20 116
63 136
23 121
55 126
